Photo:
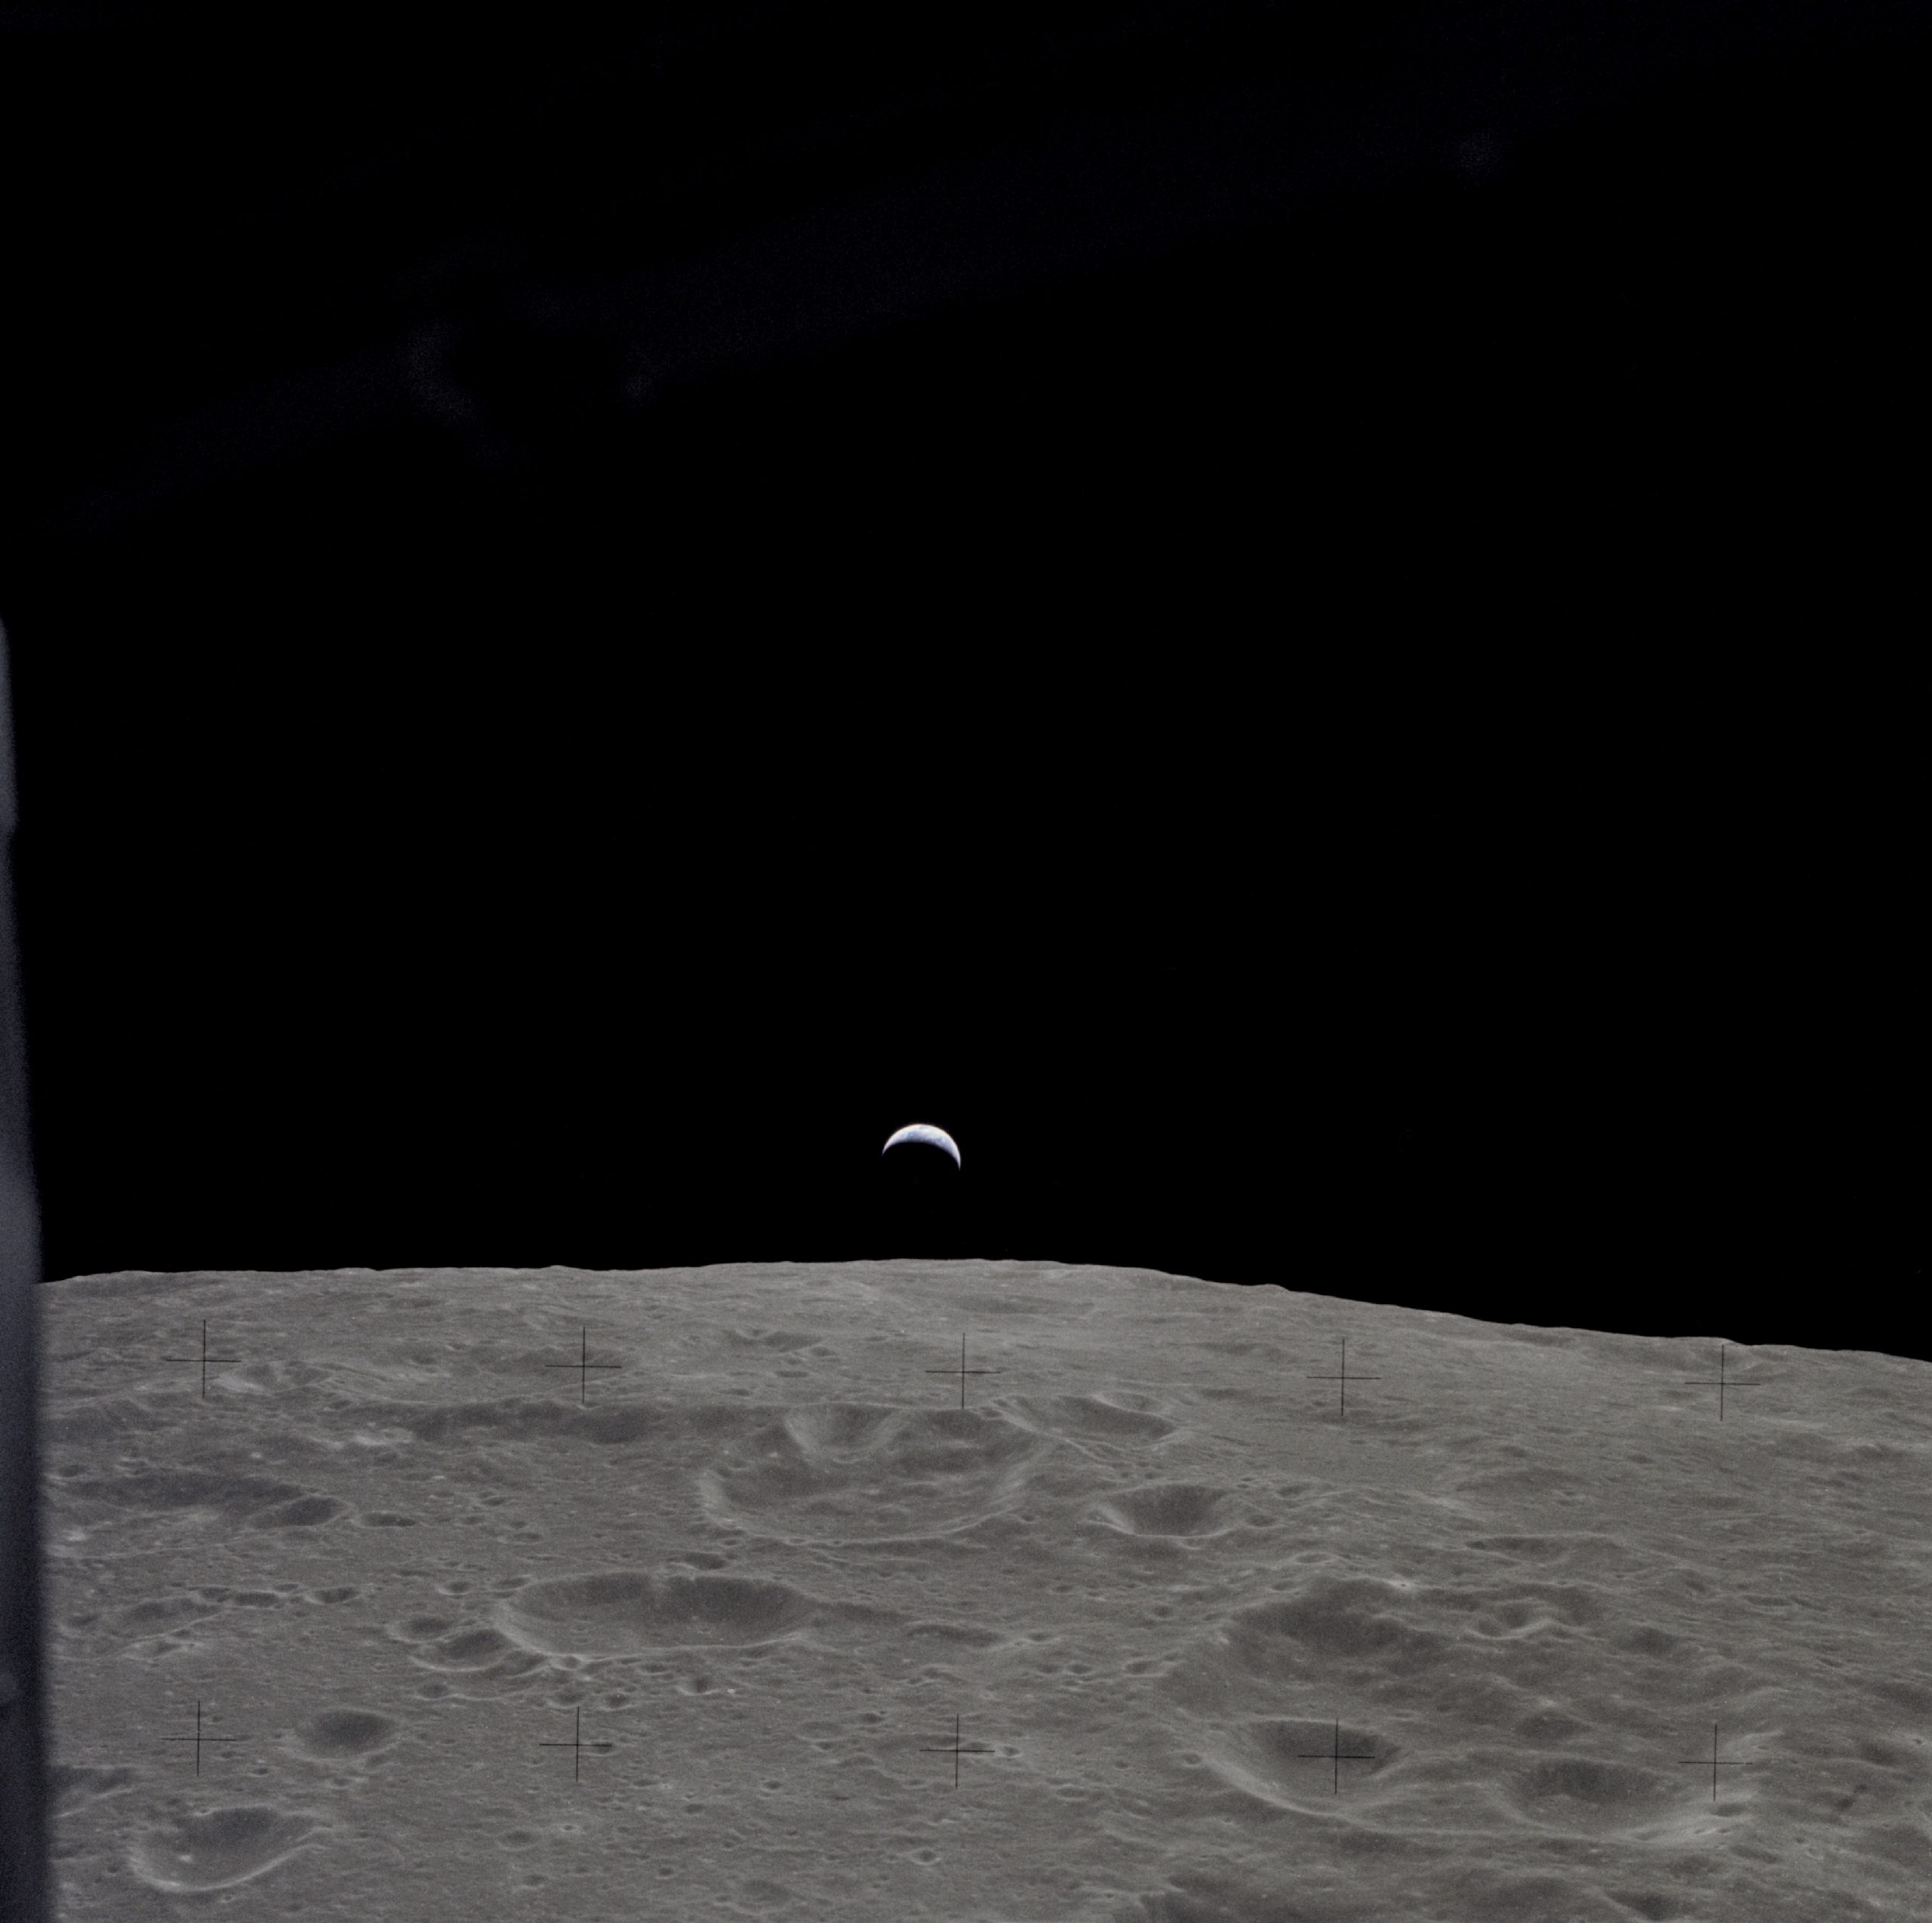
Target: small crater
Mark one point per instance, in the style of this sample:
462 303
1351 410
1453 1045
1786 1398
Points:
70 1785
1502 1621
385 1518
1654 1906
1334 1619
1649 1641
835 1428
232 1495
161 1612
1168 1508
861 1471
784 1341
339 1733
1882 1754
1581 1792
469 1649
614 1424
305 1512
1911 1696
1525 1548
1109 1419
960 1635
1548 1726
1291 1764
760 1893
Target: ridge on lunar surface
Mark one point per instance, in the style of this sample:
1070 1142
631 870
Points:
472 1634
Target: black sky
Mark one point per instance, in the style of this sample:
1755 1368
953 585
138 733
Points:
600 618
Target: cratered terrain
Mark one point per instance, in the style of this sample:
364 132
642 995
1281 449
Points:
968 1590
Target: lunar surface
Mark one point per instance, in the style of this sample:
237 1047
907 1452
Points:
742 1591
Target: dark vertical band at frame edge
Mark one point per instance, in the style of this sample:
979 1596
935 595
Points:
24 1896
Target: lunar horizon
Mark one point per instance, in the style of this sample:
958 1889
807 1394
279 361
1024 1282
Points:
967 1589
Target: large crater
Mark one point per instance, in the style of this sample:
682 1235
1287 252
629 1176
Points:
614 1612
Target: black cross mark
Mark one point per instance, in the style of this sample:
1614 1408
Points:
1719 1383
206 1358
962 1372
1338 1756
584 1365
576 1744
197 1739
1344 1378
1715 1763
939 1750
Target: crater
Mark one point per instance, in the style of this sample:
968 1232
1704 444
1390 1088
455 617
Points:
1523 1548
1290 1763
162 1612
1911 1696
1168 1508
1548 1726
338 1733
1649 1641
1581 1792
1503 1620
823 1428
616 1611
215 1849
1654 1906
851 1471
161 1490
305 1512
1334 1621
1119 1418
70 1785
958 1635
468 1649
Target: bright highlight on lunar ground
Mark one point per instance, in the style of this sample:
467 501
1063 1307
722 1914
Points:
968 1592
924 1131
